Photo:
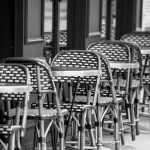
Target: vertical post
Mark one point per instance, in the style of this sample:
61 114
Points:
108 19
125 17
55 26
55 50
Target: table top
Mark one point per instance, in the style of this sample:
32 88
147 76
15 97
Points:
70 71
9 88
145 50
123 65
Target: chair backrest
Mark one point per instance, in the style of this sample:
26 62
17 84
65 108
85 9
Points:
13 74
107 81
40 73
113 50
142 39
41 78
78 59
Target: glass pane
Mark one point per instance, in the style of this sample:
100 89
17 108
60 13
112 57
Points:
48 15
94 19
63 15
104 15
146 15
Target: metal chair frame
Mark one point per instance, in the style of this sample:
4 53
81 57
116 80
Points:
116 51
13 104
141 39
43 84
84 98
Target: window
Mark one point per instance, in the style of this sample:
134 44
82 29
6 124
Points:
48 15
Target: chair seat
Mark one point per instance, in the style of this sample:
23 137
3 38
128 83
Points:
103 100
34 113
135 83
6 129
80 103
76 107
109 100
146 80
119 93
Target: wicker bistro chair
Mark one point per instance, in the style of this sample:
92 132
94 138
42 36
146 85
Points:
14 96
43 84
85 92
142 39
115 51
107 103
136 77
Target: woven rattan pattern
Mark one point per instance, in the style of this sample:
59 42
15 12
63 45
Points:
12 74
62 37
142 39
77 59
45 80
34 66
136 55
114 51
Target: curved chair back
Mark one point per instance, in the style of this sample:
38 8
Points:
113 50
41 77
142 39
78 60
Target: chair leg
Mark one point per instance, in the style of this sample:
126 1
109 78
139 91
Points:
117 129
132 124
42 143
11 142
3 146
89 127
99 127
74 128
18 144
137 114
61 136
82 131
35 139
121 127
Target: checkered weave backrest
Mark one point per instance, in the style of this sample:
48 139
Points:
142 39
135 51
40 73
13 74
113 50
78 59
